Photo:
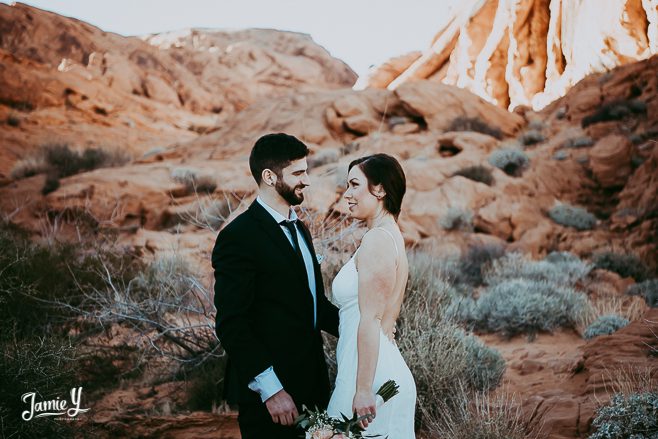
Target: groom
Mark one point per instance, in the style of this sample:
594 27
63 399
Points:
270 298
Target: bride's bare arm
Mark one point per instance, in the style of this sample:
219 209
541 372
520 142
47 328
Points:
376 268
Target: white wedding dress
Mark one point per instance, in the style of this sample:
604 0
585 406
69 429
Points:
395 418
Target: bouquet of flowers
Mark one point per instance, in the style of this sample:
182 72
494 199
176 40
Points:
319 425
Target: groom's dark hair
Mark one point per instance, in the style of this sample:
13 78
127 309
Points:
275 152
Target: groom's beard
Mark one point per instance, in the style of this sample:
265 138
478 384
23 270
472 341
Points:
288 193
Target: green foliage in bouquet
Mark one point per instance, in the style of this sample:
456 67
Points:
314 420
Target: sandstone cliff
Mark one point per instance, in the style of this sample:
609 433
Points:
528 52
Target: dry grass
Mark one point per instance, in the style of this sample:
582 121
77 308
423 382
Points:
425 335
631 308
476 415
212 211
335 238
631 379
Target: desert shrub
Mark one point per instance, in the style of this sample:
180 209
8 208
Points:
45 365
51 184
624 264
215 213
457 218
169 275
475 261
17 104
536 124
37 355
631 309
531 137
605 325
350 148
204 382
632 416
323 157
478 173
464 359
59 161
205 184
29 167
615 110
474 124
193 180
209 212
165 305
561 113
637 161
523 306
425 335
64 161
13 120
578 142
464 310
511 161
572 216
36 278
560 155
639 138
479 415
486 364
560 268
647 289
430 276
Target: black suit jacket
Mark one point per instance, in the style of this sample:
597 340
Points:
265 310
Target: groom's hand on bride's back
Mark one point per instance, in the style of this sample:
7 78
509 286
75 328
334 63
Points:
282 408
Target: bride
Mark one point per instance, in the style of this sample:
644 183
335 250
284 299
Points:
369 290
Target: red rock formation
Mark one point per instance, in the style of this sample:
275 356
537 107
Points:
134 95
564 378
79 89
529 52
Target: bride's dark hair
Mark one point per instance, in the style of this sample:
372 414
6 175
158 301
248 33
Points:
385 170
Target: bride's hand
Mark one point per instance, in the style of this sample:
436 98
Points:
364 404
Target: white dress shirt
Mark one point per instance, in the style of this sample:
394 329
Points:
266 384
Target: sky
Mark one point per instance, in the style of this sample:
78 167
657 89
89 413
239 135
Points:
360 32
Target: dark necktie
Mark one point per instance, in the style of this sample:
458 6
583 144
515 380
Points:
290 225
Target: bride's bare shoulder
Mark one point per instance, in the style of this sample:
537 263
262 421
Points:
376 249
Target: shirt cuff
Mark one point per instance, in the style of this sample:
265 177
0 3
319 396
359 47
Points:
266 384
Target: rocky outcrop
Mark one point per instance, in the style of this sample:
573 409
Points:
528 52
412 123
598 368
610 161
137 94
